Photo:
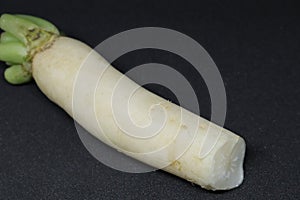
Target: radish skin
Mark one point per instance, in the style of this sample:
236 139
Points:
55 73
64 74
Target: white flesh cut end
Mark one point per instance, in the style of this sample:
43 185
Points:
55 71
228 167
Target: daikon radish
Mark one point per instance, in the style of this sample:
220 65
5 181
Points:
35 50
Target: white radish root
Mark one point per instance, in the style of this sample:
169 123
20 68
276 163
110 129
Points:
59 74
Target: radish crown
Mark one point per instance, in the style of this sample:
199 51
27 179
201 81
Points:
23 37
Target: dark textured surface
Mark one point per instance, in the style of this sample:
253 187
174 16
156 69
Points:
257 49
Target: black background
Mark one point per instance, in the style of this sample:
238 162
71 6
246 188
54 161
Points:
256 46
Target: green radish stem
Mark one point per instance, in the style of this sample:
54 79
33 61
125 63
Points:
19 27
7 37
17 74
41 23
10 63
14 52
24 36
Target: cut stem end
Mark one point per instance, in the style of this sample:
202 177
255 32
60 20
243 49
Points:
24 36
